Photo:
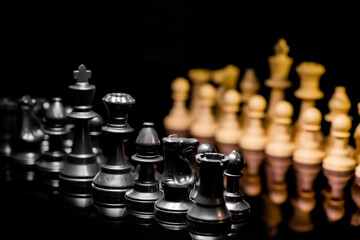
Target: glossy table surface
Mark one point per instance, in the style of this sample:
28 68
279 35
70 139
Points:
28 210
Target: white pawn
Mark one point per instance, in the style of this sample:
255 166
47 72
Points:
338 168
252 145
204 125
228 134
179 119
226 78
279 152
309 155
197 76
338 104
249 86
357 138
307 160
309 91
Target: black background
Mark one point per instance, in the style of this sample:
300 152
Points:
140 47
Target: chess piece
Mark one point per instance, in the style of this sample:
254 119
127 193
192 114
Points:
338 104
302 207
179 119
177 180
355 193
272 216
69 137
139 201
309 91
209 218
226 78
198 77
27 143
228 134
204 125
39 109
80 167
307 160
8 109
280 65
249 86
279 150
252 145
203 148
338 168
308 156
114 178
239 208
357 139
95 135
8 112
52 160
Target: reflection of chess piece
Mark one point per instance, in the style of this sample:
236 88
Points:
198 77
204 125
271 215
309 91
279 151
252 145
338 168
280 65
355 193
228 134
249 85
178 121
301 219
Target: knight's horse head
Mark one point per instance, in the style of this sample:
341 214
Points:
178 169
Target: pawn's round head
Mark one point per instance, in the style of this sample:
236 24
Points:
206 148
283 112
257 106
207 91
180 84
236 163
312 119
232 97
341 126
